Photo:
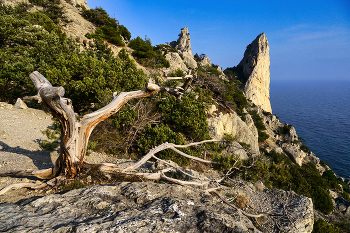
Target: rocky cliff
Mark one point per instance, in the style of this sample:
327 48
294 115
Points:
256 69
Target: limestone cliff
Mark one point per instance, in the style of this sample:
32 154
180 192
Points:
256 69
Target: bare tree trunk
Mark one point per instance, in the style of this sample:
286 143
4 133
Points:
75 133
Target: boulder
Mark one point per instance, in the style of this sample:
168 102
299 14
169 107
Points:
183 43
20 104
189 60
256 69
236 149
294 153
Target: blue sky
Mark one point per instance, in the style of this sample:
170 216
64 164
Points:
308 39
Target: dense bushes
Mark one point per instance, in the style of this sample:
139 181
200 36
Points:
258 122
186 115
235 95
89 76
52 9
107 28
146 54
321 226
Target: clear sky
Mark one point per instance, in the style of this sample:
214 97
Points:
308 39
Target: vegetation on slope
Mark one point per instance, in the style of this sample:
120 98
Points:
32 41
146 54
107 28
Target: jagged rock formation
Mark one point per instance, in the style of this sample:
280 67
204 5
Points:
154 207
205 61
230 123
183 45
256 69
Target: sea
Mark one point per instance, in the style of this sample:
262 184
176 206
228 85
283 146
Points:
320 113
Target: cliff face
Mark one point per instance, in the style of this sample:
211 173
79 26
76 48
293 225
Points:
256 69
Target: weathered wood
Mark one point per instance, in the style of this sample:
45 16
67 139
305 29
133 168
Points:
75 133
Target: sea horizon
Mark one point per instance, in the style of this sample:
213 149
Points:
320 113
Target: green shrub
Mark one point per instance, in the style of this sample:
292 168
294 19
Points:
52 9
89 76
146 54
107 28
236 73
321 226
305 148
324 163
322 200
186 115
176 73
258 122
156 135
76 184
329 175
284 129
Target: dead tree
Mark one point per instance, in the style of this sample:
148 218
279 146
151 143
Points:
75 134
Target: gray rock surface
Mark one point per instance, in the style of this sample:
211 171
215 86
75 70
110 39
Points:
256 69
183 43
155 207
124 207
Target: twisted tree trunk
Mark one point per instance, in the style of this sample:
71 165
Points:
75 133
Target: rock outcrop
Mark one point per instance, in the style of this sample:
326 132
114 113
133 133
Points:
205 61
256 69
183 45
154 207
294 153
230 123
175 61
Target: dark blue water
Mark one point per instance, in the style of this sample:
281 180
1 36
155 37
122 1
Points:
320 113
